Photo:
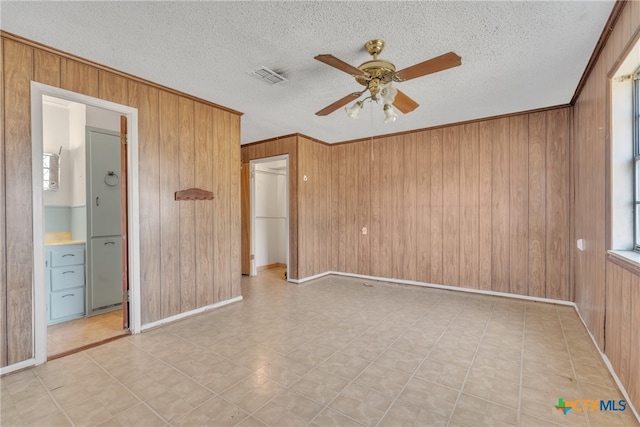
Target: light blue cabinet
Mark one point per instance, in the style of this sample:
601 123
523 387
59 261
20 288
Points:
106 255
65 281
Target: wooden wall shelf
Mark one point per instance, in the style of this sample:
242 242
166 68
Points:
194 194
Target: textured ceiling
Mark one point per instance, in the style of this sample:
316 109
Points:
516 56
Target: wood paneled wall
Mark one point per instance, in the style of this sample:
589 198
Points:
482 205
590 145
276 147
603 290
190 251
622 320
314 208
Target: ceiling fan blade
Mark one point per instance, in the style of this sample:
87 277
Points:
403 103
339 103
433 65
341 65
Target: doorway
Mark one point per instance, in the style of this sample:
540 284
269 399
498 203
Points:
268 217
65 295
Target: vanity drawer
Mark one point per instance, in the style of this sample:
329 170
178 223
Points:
67 257
67 277
67 303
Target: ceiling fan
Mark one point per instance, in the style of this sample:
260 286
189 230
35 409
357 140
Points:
377 75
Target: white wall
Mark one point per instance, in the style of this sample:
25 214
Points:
103 119
63 126
270 212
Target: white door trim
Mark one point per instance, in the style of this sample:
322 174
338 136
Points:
39 292
252 164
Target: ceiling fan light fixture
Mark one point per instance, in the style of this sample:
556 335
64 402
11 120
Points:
377 75
354 110
389 113
388 93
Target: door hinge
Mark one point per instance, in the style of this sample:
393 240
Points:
126 294
125 140
252 257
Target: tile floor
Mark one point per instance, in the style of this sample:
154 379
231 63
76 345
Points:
77 333
336 351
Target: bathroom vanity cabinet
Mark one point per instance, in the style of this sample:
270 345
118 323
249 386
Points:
65 282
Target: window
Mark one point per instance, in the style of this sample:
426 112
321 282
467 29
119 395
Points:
50 171
624 167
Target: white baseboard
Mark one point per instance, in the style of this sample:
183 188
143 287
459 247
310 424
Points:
609 366
456 288
306 279
18 366
189 313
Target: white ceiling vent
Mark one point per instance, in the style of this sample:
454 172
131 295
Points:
268 76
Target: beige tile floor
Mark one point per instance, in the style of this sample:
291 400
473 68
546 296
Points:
336 351
67 336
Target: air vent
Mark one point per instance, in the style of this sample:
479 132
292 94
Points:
268 76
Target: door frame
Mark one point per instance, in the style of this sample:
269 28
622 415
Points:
252 163
39 292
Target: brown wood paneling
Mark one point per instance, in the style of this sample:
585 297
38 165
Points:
469 205
46 68
350 206
171 249
423 207
612 346
112 87
385 208
245 191
500 196
397 221
471 195
437 223
337 212
145 99
623 329
79 78
18 71
290 146
363 158
409 212
537 204
485 204
184 176
451 205
622 319
314 211
518 204
222 230
3 239
375 209
233 129
203 229
557 205
589 156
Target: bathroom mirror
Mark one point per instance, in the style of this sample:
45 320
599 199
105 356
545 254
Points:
51 171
